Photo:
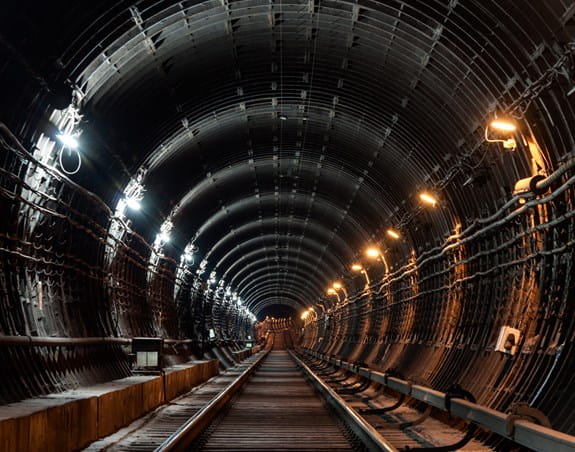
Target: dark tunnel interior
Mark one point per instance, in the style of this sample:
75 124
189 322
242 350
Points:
187 169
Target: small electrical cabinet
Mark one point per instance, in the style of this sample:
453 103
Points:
508 340
148 353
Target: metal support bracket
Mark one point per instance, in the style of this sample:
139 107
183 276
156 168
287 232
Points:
522 410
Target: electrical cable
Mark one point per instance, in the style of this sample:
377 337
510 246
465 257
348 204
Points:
63 167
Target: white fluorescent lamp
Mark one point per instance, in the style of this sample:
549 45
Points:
68 140
133 203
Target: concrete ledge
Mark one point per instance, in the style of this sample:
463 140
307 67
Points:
73 419
48 423
180 379
243 354
122 401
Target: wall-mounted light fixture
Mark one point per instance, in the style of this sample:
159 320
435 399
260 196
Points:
69 140
359 269
501 131
133 194
337 285
188 258
332 291
163 236
375 254
133 203
67 122
372 253
428 198
310 312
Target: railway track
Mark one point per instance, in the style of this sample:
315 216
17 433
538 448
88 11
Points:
405 426
271 402
278 409
149 432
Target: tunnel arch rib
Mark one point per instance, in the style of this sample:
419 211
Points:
278 141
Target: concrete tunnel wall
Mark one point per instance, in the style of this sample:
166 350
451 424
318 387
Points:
277 141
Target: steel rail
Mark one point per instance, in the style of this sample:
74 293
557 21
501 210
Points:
370 437
194 426
523 432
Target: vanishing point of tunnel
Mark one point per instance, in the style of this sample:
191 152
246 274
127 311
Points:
287 225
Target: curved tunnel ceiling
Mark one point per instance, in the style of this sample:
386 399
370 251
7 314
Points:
301 129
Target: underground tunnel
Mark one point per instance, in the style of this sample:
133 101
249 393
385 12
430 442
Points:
287 225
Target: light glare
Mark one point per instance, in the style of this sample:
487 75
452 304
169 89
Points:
68 140
503 125
133 203
372 252
428 199
393 233
337 285
356 267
